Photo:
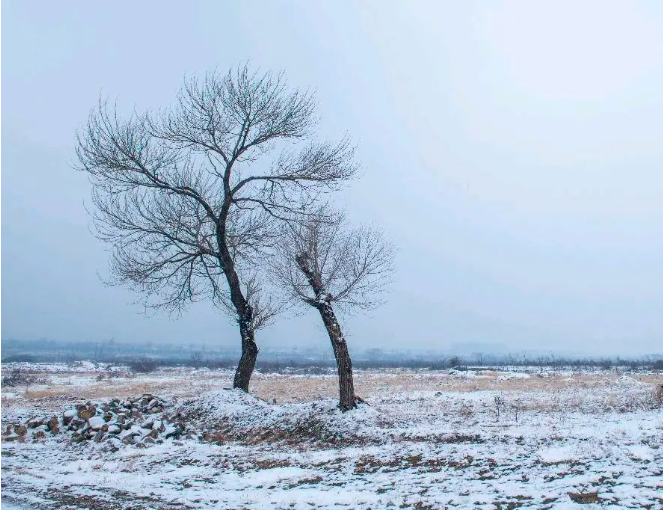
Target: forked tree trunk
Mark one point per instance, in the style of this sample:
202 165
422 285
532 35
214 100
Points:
248 360
347 398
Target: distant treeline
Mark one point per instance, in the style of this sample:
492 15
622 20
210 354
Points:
147 357
454 362
458 363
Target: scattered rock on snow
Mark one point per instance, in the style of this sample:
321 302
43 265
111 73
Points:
96 422
114 429
34 423
53 425
85 412
69 415
39 434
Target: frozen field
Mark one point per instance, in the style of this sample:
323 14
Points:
478 439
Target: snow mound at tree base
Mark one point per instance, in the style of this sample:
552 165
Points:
233 415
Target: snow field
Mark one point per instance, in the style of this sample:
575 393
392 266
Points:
425 441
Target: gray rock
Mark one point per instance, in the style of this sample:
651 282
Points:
96 422
175 434
114 429
69 415
34 423
85 412
39 434
54 425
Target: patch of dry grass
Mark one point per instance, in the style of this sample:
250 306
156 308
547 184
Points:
367 384
558 388
182 386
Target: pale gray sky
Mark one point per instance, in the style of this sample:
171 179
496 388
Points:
512 150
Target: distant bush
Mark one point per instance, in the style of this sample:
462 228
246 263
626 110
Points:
658 364
455 362
18 377
142 365
270 367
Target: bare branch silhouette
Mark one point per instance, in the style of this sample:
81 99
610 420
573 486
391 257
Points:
323 263
183 198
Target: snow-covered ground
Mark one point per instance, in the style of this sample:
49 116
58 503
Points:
444 439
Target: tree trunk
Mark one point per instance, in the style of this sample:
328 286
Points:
243 308
248 360
347 398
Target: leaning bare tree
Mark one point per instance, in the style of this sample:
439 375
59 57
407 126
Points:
324 264
190 198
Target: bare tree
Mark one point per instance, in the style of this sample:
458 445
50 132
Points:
190 198
324 264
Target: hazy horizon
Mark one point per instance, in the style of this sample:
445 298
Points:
511 151
110 349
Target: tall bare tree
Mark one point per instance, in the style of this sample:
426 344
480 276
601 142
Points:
190 197
324 264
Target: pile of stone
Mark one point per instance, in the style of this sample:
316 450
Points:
35 429
140 421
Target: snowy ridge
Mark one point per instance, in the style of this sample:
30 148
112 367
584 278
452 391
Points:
247 416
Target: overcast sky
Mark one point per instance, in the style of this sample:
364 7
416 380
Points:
513 151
